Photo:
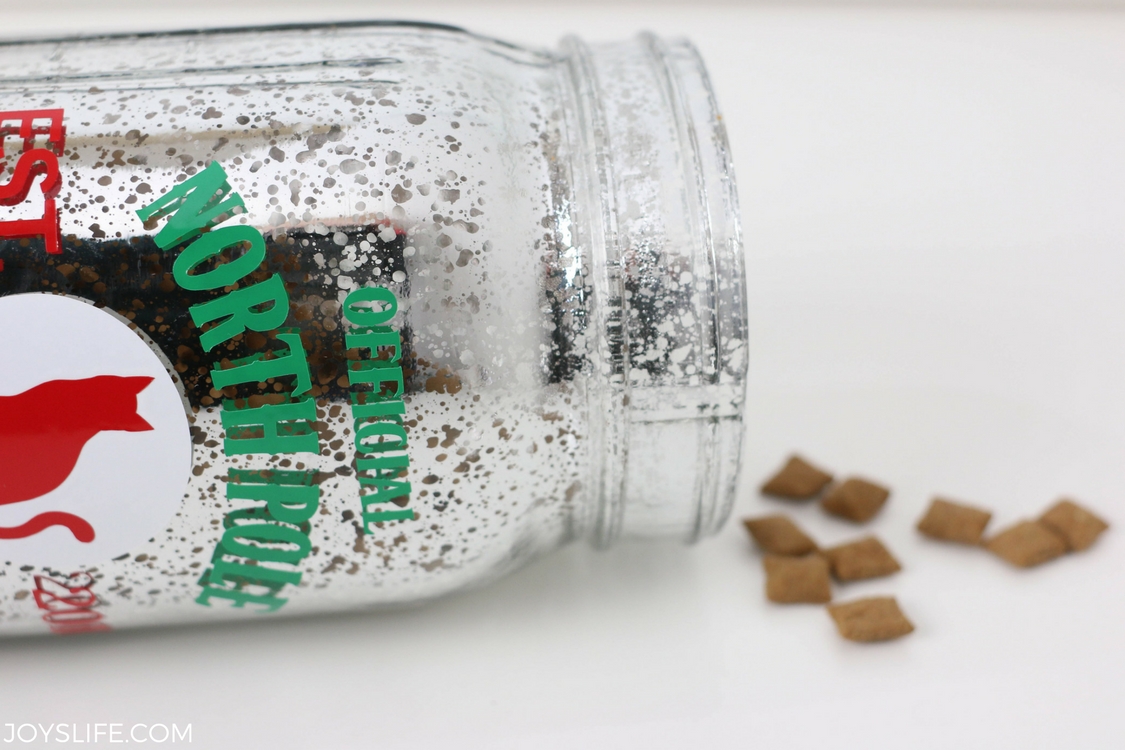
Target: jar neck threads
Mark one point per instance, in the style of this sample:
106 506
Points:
654 215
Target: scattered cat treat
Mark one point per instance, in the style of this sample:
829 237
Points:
865 558
778 535
798 572
954 522
855 499
1078 527
1027 544
797 580
797 480
867 620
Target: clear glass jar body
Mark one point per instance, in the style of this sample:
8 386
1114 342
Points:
554 350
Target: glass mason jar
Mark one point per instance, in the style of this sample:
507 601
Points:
304 319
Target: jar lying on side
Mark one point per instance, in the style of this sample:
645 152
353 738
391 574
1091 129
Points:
305 319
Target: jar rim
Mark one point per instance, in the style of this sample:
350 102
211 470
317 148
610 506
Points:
660 185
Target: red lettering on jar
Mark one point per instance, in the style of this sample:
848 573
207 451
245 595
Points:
69 605
44 137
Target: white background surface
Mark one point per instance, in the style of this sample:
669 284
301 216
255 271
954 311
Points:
934 209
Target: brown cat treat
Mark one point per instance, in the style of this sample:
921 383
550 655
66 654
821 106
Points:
867 620
797 480
865 558
954 522
1027 544
1078 527
855 499
778 535
797 580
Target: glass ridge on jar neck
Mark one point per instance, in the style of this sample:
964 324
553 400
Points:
655 212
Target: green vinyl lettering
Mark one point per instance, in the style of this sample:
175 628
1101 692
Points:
374 339
382 516
384 431
372 408
290 496
258 369
384 489
241 574
211 244
358 314
267 533
241 309
384 465
285 428
379 375
195 204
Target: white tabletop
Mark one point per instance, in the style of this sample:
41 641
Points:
934 207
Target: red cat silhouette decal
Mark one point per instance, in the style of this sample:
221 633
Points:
43 431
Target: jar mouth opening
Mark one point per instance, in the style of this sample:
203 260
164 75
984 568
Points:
669 287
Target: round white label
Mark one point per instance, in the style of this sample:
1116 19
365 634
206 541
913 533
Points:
95 448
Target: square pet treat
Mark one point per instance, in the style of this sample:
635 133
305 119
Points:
855 499
866 558
797 580
1078 527
797 480
1027 544
778 535
953 522
875 619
